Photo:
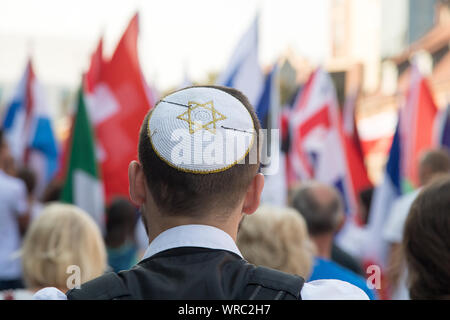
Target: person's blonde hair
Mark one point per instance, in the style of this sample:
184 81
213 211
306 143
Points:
277 238
63 235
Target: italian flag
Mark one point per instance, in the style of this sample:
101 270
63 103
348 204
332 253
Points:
83 186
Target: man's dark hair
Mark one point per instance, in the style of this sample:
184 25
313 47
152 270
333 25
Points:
321 216
426 242
183 193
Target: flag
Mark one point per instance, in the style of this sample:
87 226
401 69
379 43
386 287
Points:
28 129
243 71
354 153
376 133
118 99
413 135
443 128
273 160
384 196
82 185
417 128
291 179
317 149
267 102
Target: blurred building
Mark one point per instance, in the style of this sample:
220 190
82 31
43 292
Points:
366 32
430 50
372 43
403 22
353 23
411 29
433 55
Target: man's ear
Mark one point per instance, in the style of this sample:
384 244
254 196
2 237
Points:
136 177
253 195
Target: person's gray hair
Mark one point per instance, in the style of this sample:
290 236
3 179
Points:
321 216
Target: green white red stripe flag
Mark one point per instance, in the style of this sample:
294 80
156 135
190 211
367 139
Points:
83 185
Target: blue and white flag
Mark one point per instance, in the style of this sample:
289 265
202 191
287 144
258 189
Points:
28 129
443 134
243 71
273 160
384 197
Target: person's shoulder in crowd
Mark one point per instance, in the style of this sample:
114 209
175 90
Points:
315 290
326 269
325 289
332 289
346 260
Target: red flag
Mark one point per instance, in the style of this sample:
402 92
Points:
93 74
118 101
353 149
418 115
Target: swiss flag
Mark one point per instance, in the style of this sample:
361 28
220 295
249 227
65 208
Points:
118 100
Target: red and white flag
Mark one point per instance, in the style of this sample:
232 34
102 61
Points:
317 147
353 149
417 127
118 100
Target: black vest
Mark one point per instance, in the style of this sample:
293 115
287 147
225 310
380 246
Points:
191 273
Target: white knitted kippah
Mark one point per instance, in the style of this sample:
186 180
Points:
201 130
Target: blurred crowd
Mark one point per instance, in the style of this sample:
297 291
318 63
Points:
42 238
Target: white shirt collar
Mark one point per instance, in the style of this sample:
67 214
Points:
192 235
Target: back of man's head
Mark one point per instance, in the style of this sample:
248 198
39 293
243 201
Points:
321 206
190 190
432 163
426 241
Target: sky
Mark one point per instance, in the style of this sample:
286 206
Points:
177 38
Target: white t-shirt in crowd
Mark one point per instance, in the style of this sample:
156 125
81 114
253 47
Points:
13 203
394 225
35 210
195 235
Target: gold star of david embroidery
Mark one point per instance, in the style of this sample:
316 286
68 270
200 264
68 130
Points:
197 110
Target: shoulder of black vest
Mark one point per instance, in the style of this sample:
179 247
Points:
270 284
106 287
